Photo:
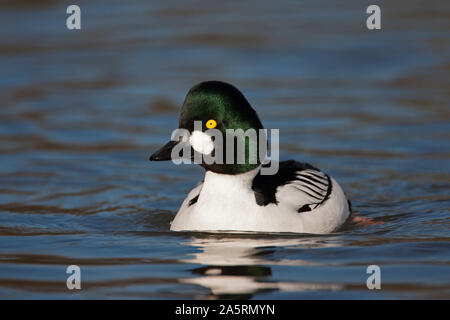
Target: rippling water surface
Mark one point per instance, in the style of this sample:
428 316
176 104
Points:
81 111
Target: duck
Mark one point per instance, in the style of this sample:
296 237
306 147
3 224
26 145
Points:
238 197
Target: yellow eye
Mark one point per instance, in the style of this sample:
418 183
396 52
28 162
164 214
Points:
210 124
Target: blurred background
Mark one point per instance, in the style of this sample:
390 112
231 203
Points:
82 110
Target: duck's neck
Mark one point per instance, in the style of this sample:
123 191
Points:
228 183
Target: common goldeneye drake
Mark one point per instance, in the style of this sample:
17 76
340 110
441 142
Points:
298 198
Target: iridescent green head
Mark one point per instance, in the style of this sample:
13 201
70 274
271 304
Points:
220 106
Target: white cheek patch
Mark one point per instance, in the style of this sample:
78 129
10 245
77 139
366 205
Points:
201 142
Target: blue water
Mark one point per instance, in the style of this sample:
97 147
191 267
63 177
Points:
81 111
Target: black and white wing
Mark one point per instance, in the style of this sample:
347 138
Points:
315 187
299 185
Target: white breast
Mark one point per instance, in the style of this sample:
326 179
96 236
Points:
227 203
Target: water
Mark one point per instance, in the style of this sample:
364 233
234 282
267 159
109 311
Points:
81 111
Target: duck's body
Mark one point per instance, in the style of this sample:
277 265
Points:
299 199
241 196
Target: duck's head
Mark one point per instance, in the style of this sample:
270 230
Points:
217 106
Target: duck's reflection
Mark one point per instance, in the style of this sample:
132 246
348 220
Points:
237 267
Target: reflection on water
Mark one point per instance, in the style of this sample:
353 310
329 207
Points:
230 251
81 111
234 267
